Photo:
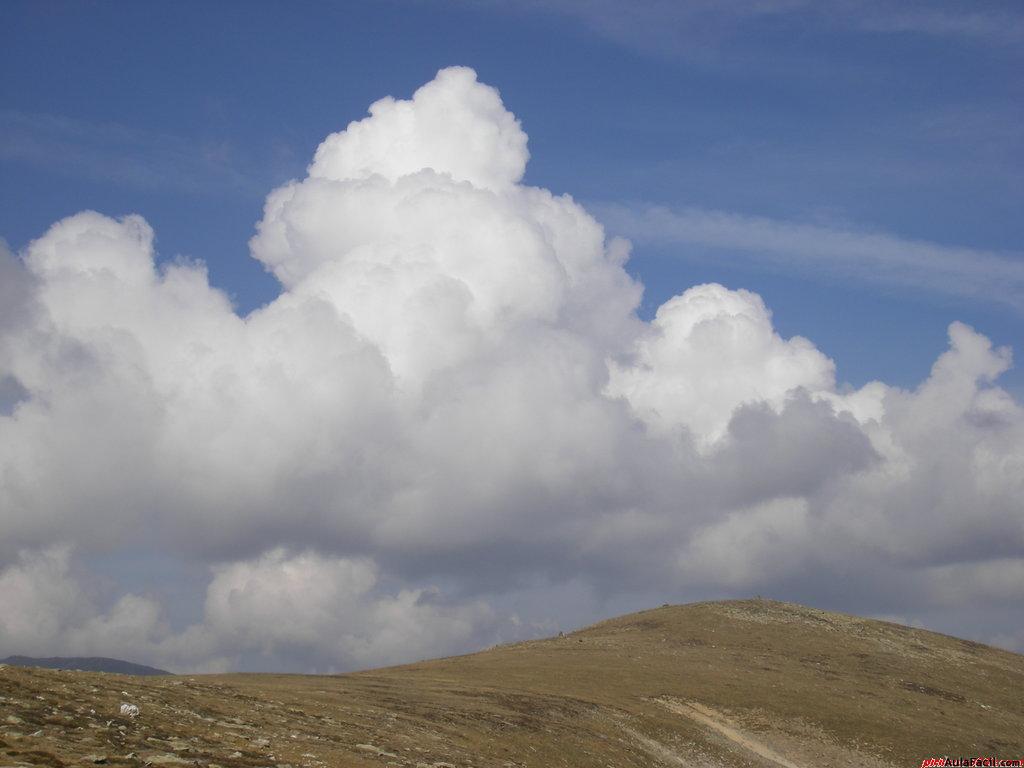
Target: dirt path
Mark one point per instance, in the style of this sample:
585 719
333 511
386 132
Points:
720 724
656 749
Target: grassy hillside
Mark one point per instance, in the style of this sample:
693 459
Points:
718 684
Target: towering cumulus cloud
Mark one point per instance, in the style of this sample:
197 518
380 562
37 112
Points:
452 408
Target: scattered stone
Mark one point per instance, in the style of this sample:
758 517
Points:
14 720
376 750
167 760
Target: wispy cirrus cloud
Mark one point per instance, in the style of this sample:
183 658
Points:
126 156
992 25
867 255
699 29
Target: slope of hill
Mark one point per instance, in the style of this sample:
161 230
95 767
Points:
714 684
84 664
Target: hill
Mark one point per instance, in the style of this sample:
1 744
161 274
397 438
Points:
739 683
84 664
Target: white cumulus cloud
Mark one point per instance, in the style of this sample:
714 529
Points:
452 402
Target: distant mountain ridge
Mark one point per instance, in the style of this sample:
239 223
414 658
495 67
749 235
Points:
85 664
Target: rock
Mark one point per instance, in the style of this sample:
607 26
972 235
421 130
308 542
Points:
14 720
97 759
377 750
167 760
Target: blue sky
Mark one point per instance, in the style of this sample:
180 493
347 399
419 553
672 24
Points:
894 118
432 399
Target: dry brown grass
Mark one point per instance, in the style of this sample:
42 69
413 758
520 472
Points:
718 684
